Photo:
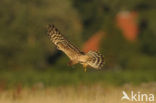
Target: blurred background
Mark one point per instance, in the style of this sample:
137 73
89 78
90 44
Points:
123 30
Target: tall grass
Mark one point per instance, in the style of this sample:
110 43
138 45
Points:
97 93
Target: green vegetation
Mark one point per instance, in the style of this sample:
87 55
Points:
24 44
76 76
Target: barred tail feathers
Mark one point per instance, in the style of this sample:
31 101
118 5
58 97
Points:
96 60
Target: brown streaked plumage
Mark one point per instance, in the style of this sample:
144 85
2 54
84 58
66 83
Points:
92 58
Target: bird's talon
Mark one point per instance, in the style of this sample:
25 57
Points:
85 67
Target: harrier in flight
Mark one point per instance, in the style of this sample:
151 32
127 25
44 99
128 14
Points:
92 58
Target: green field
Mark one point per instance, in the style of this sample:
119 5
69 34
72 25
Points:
75 76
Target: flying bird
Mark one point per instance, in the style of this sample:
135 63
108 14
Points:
91 59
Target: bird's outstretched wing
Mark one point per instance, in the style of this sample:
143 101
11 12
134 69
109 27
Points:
62 43
92 58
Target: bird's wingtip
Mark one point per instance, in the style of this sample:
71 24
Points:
50 26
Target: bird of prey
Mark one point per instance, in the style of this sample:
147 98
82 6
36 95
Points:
92 59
